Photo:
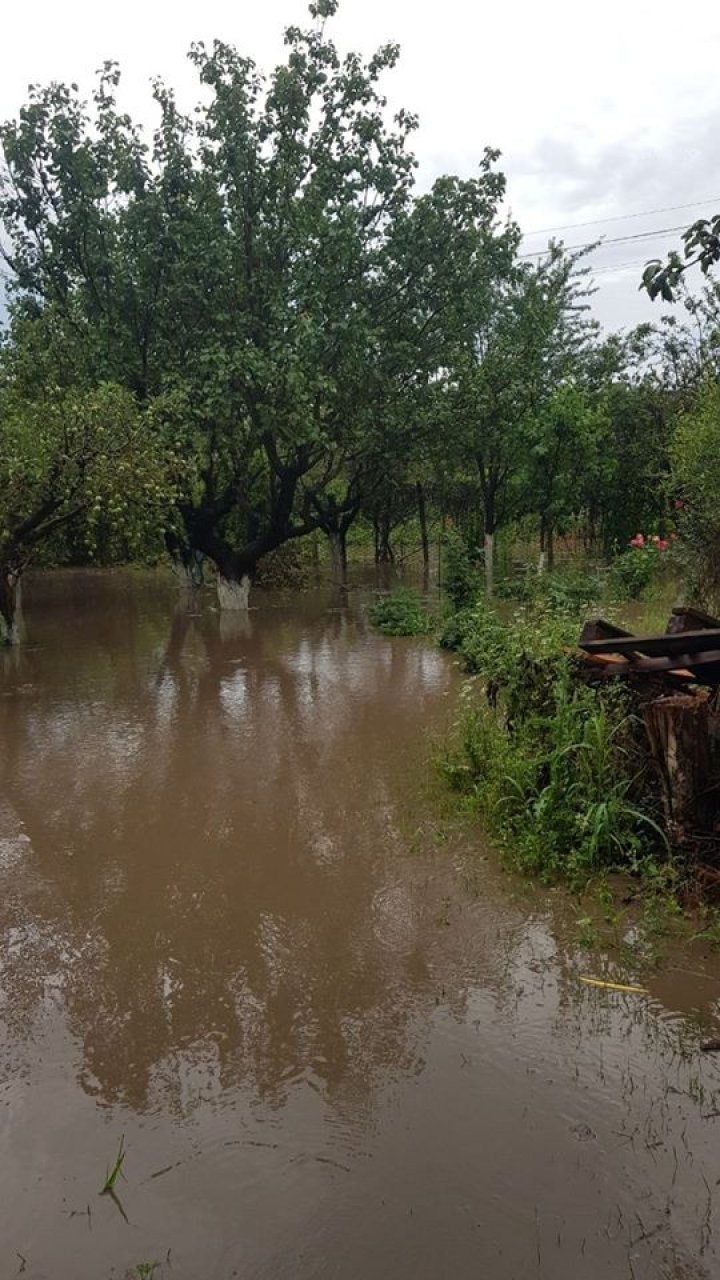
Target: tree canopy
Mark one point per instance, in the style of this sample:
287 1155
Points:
254 324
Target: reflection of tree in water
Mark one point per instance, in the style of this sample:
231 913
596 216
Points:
212 874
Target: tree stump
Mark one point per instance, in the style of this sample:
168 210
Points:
679 728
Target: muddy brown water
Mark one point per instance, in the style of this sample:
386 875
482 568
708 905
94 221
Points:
338 1041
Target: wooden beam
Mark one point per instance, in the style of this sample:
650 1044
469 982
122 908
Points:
685 643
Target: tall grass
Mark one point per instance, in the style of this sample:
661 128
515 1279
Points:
558 769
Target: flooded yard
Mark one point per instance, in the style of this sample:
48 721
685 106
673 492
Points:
336 1040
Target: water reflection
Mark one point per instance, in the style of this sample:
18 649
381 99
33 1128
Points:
210 828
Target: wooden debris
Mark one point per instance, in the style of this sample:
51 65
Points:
613 986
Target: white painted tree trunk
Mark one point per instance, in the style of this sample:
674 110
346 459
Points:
489 564
233 595
184 575
542 563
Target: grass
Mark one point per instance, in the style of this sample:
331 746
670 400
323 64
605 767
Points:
558 769
113 1172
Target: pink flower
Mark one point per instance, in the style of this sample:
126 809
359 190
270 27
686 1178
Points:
637 541
662 544
678 503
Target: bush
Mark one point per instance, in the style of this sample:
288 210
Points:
695 455
505 652
632 573
401 614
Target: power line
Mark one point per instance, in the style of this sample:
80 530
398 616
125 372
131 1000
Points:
640 235
618 267
621 217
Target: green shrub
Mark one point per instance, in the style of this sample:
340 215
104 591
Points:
462 577
401 614
571 590
633 572
495 647
565 590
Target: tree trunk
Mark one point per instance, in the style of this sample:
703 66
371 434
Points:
9 600
233 592
384 553
542 558
550 548
489 564
422 517
338 556
187 567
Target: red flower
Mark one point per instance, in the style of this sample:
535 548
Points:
637 541
662 544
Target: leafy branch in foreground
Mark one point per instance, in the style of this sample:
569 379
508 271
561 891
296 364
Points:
701 247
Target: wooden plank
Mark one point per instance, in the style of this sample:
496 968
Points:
701 666
684 618
685 643
615 665
601 629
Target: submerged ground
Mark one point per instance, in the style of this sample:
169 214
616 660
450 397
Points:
336 1038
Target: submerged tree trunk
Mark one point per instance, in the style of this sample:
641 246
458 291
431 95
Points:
234 592
187 566
337 541
9 601
384 553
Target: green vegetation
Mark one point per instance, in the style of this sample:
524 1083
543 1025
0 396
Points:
113 1173
251 326
555 767
401 614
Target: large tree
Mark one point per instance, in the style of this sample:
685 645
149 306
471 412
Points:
528 329
262 265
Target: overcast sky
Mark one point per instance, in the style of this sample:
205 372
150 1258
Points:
600 111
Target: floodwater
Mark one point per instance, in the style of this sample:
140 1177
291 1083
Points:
335 1039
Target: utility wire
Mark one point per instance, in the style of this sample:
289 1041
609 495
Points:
620 266
640 235
621 217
